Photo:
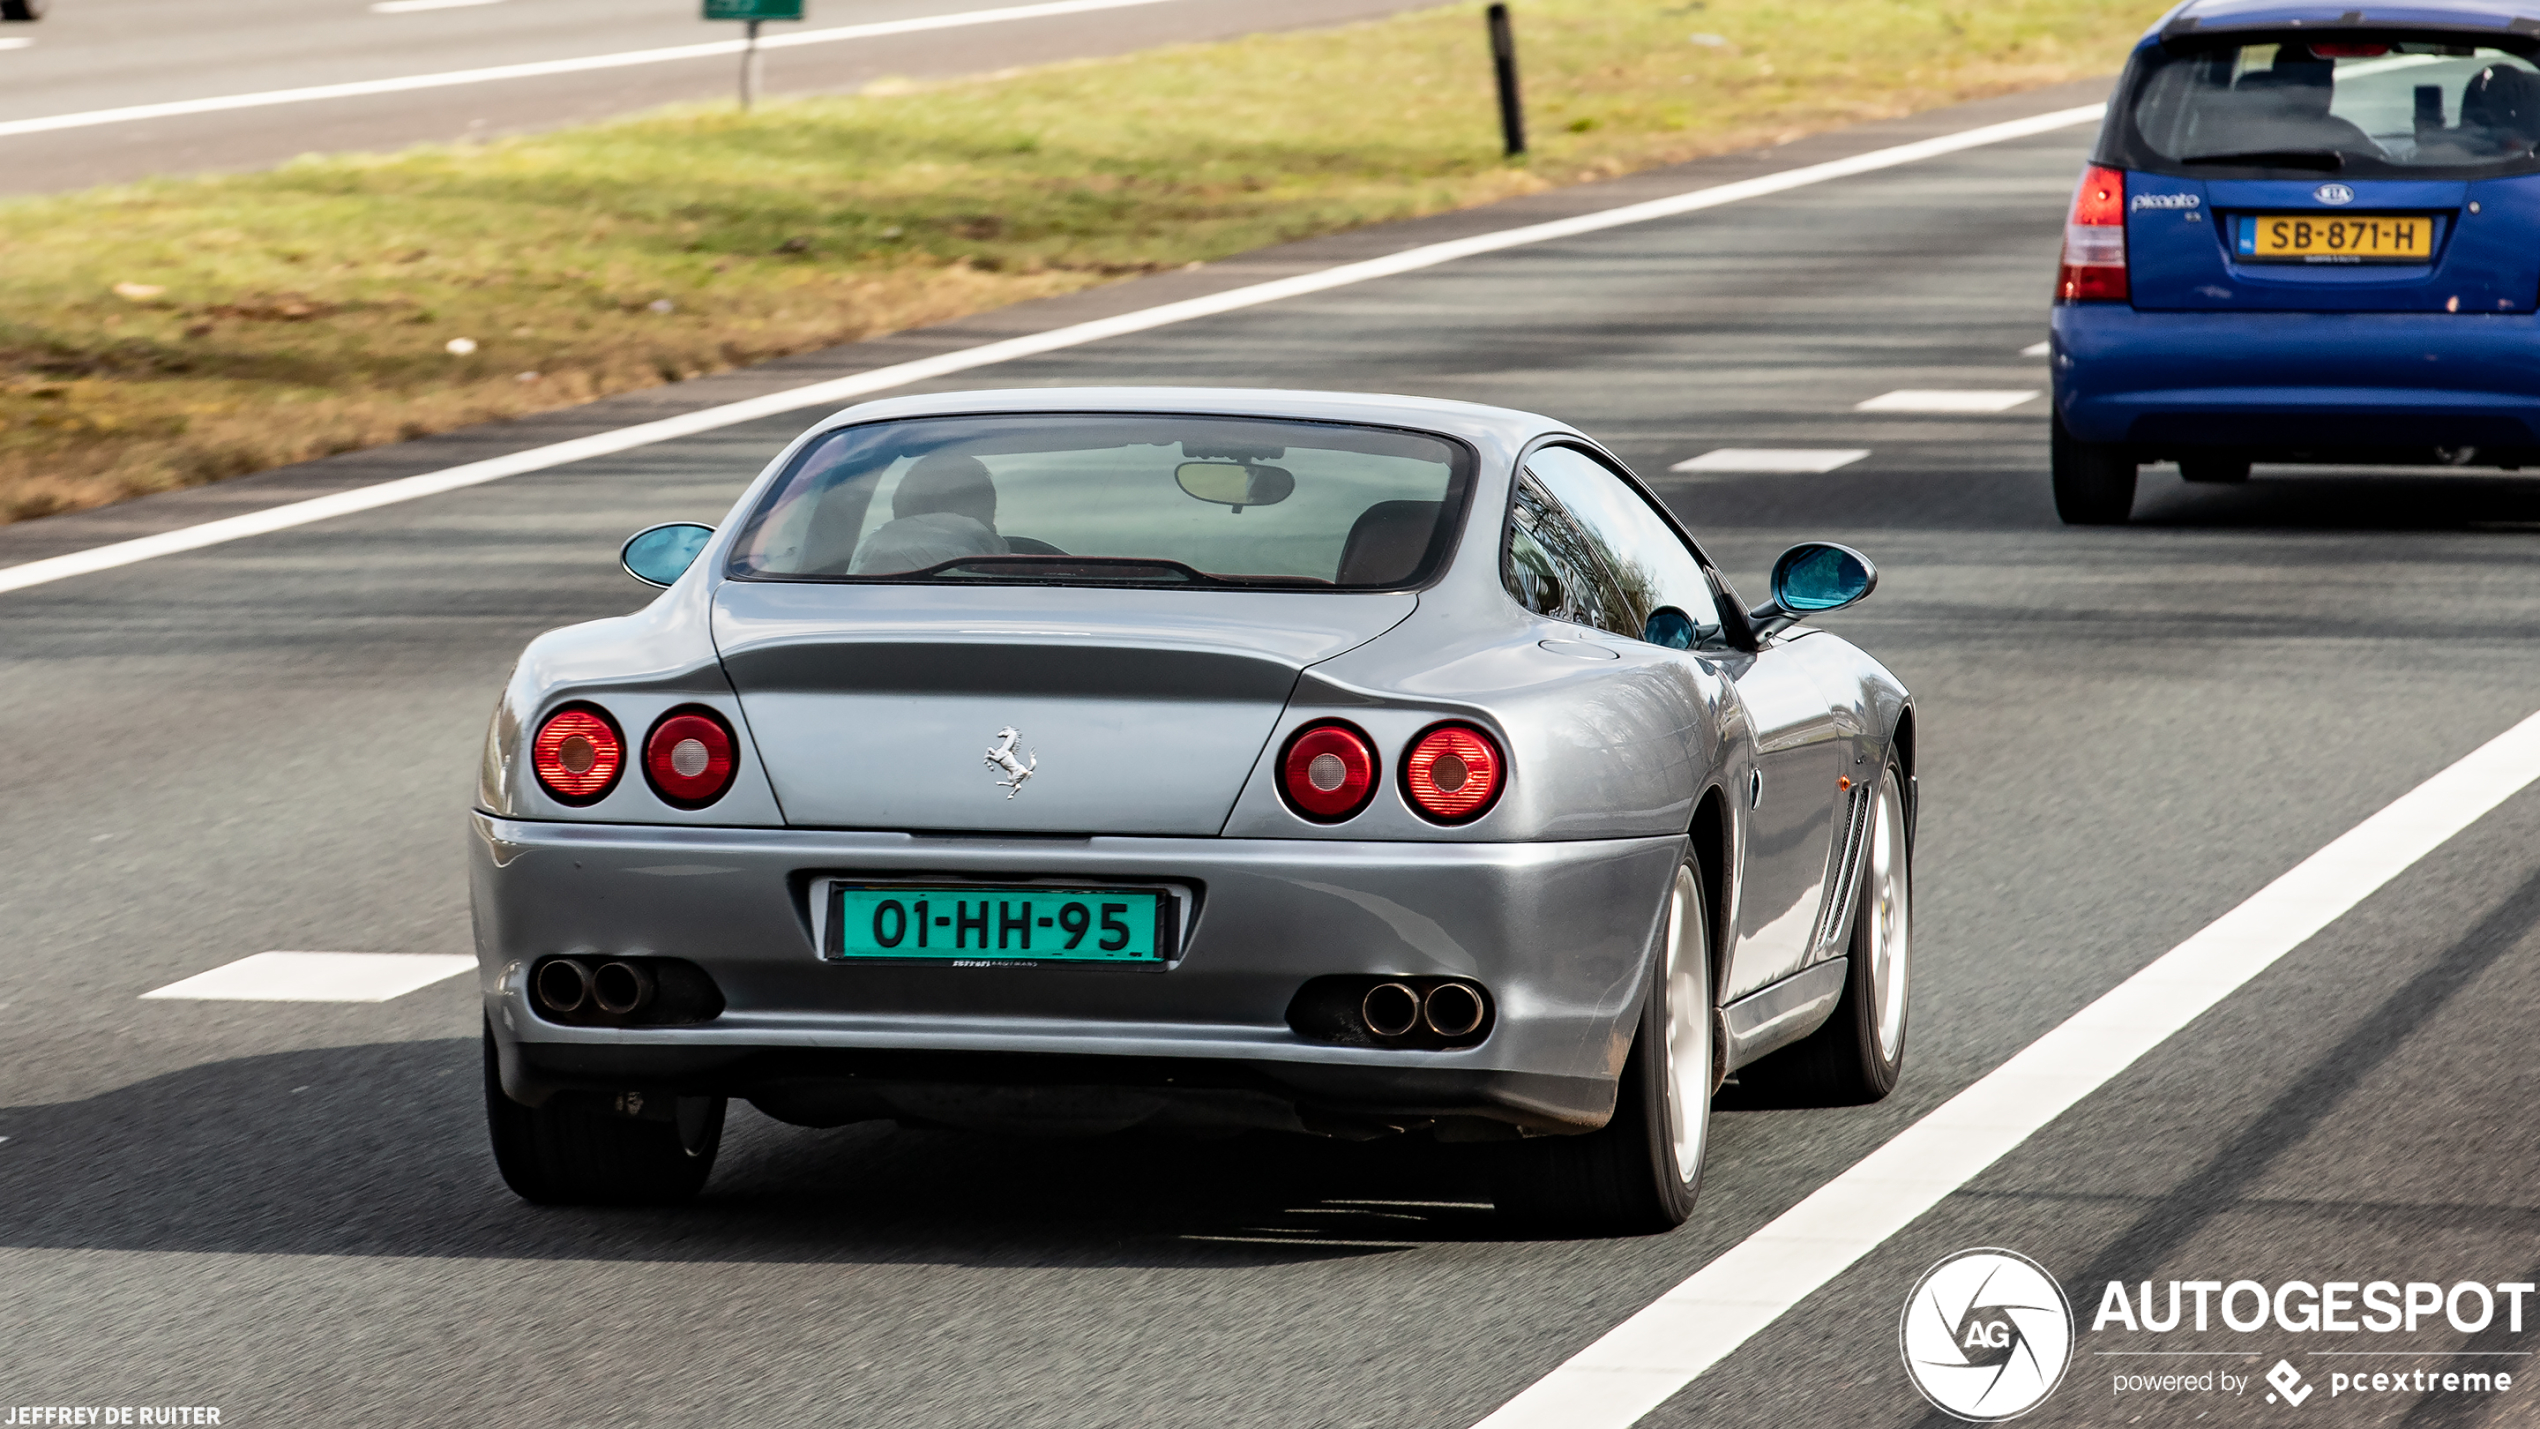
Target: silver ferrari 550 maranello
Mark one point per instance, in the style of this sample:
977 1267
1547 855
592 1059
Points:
1081 760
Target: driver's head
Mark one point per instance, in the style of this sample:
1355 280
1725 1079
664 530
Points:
947 482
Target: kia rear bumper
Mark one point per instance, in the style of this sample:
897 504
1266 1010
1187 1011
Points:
2318 386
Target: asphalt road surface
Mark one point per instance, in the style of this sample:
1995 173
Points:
92 55
288 1211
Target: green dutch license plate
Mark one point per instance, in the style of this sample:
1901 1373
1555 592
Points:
1065 925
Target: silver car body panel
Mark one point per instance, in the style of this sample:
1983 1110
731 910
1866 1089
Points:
1142 710
867 715
1270 914
1771 1018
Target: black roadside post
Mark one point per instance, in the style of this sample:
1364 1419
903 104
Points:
1512 109
21 9
752 13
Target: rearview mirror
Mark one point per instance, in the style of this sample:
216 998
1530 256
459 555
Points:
1235 484
658 555
1811 578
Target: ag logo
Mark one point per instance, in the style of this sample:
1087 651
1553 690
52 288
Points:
1986 1335
2333 194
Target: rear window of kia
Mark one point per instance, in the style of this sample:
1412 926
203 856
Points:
2358 106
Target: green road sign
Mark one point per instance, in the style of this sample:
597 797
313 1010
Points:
754 9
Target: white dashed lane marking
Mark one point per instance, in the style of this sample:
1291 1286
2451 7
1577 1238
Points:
318 977
1959 402
1769 460
2037 349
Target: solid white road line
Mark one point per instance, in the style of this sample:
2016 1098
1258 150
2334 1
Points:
356 89
1926 400
1789 461
1647 1358
846 389
318 977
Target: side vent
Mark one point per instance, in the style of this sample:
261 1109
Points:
1836 921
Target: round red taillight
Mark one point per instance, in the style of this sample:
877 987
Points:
578 754
1328 772
688 757
1453 773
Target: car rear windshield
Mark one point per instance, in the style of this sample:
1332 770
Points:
2392 105
1112 500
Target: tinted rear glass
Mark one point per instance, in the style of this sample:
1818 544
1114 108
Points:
2380 106
1109 500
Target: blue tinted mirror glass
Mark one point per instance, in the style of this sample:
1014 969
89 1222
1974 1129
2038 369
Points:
1670 627
657 555
1818 576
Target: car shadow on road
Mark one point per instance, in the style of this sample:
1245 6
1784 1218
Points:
380 1150
2341 499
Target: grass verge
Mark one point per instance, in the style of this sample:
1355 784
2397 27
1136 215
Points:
181 331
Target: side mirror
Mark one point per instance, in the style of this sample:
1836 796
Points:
658 555
1812 578
1676 630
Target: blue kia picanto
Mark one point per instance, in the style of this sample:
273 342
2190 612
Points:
2310 233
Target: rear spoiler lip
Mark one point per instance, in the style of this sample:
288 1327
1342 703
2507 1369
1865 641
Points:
2191 27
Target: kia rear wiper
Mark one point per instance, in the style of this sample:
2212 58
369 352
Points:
2327 161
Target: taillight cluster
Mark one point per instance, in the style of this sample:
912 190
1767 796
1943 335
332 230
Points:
689 757
1452 773
578 754
1329 772
2094 268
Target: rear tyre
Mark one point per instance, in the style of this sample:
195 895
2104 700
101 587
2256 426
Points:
1639 1173
2215 470
2094 481
1858 1054
21 9
566 1154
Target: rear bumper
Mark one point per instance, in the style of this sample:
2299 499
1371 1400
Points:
1558 932
2336 386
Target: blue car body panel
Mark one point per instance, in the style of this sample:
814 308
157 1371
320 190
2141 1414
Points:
2304 361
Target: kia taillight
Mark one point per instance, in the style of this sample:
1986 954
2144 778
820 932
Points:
1328 772
1453 773
689 757
2094 241
578 755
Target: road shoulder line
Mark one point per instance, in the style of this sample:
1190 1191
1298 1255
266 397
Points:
1641 1363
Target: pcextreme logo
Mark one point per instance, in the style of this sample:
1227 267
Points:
1986 1335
